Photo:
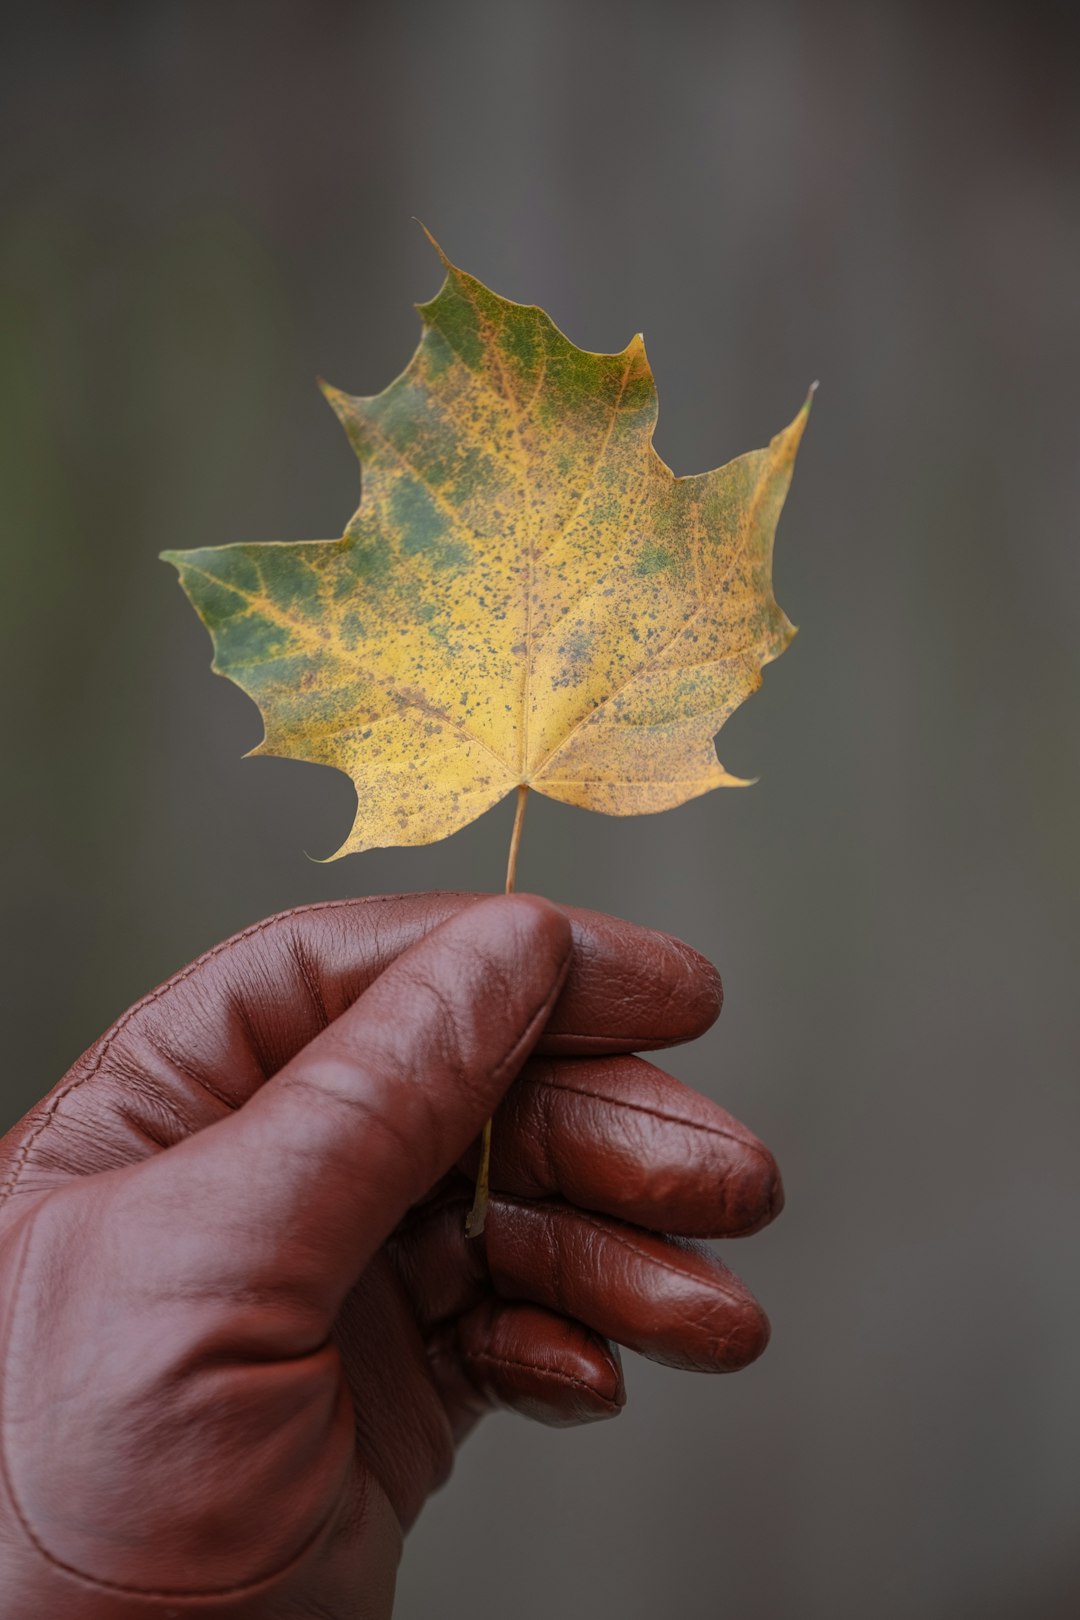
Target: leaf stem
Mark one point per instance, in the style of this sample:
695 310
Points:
474 1221
515 837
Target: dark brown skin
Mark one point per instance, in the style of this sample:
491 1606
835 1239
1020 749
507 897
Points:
241 1328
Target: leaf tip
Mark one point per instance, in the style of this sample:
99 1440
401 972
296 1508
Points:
809 400
442 256
351 846
338 401
787 441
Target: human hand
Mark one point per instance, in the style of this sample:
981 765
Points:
241 1328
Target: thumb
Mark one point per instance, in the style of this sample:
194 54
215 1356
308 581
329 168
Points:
296 1191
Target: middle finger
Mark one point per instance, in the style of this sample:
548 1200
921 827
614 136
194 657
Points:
618 1136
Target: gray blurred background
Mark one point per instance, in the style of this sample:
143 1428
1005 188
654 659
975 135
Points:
203 207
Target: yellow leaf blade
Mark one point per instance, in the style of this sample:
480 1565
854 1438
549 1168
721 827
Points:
525 596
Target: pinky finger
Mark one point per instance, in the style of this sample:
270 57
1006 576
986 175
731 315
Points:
525 1359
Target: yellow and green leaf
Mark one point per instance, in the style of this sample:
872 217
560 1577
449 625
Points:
526 595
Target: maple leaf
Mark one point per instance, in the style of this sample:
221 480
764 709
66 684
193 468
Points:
526 597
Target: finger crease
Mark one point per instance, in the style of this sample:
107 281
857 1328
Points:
608 1229
491 1359
643 1108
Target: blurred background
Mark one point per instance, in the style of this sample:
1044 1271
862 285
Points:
203 207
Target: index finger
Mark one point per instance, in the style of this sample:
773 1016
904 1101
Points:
629 988
256 1000
206 1040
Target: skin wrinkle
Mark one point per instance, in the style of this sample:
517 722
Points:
489 1357
328 1094
220 1358
546 1138
163 1051
608 1229
528 1039
140 1128
672 993
313 1610
504 982
477 1287
556 1274
139 1084
653 1113
449 1035
255 1044
298 952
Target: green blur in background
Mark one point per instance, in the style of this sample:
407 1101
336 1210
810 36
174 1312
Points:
205 206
